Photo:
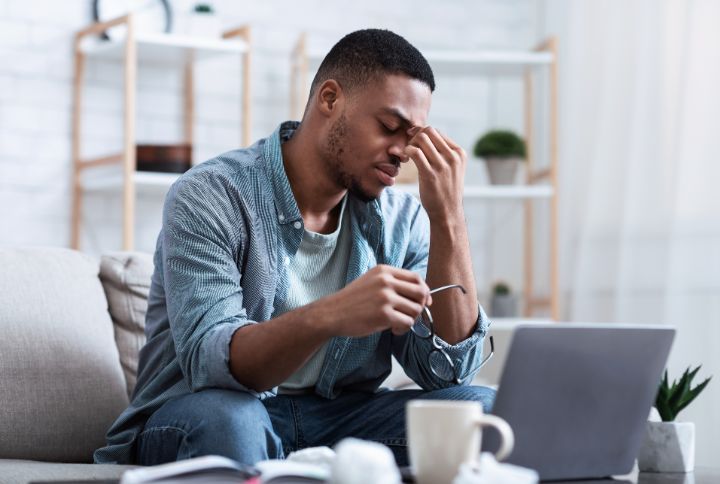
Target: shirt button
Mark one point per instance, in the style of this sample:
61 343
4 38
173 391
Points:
297 225
286 260
281 217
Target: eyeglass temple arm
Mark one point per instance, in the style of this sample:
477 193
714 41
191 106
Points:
438 289
449 286
492 351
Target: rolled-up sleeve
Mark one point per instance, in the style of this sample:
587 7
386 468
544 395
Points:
413 352
202 240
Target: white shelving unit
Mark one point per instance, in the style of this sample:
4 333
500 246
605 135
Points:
496 192
144 180
134 50
164 49
540 184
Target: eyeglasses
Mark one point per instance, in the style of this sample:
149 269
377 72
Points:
440 362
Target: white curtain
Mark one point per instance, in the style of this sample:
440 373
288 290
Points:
640 176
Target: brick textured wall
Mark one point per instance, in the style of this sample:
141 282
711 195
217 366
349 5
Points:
36 70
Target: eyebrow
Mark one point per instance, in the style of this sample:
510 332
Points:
403 120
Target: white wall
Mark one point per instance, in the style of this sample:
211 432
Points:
36 72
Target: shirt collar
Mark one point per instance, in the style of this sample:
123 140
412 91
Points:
285 203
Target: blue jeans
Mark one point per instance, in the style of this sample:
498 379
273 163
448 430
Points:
238 425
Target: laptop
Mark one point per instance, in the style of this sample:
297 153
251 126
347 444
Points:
577 396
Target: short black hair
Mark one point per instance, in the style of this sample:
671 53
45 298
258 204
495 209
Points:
365 55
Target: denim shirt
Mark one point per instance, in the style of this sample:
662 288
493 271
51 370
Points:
230 227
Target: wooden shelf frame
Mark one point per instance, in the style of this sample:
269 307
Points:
128 50
541 183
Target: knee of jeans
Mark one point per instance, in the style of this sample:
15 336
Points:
223 422
484 395
234 412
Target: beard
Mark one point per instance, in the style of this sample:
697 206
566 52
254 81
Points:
335 151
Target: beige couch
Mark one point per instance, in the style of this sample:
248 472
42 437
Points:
71 330
68 357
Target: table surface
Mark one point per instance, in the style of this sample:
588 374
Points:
702 475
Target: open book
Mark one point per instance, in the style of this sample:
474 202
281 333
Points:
215 469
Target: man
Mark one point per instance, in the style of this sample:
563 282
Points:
287 273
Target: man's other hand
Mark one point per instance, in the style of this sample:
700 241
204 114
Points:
441 171
383 298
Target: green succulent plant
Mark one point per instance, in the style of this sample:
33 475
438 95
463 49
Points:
672 399
501 289
501 144
203 8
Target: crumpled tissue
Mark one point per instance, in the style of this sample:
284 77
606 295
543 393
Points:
319 456
360 462
489 471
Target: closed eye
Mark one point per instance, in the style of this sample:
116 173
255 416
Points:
389 129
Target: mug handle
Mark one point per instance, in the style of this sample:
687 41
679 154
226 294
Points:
506 434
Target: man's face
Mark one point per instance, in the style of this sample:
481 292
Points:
365 142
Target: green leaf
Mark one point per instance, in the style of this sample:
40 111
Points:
692 394
664 411
677 391
673 398
500 143
662 395
692 375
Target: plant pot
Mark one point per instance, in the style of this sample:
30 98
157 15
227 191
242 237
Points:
504 306
502 171
668 447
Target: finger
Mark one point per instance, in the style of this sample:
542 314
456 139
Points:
414 294
419 158
454 146
412 286
441 145
422 140
408 307
409 284
414 130
406 275
412 291
393 317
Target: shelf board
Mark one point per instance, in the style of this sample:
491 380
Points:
468 63
143 180
146 179
496 192
167 49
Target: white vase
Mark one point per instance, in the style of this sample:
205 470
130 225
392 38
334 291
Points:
502 171
668 447
504 306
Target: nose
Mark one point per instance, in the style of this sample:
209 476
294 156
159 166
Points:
397 150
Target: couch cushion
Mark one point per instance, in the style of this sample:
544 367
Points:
61 384
126 279
25 471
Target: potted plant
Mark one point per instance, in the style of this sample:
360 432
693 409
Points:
501 150
669 446
503 303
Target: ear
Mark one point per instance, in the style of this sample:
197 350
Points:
329 97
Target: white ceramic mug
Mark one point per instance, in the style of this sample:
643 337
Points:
444 434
